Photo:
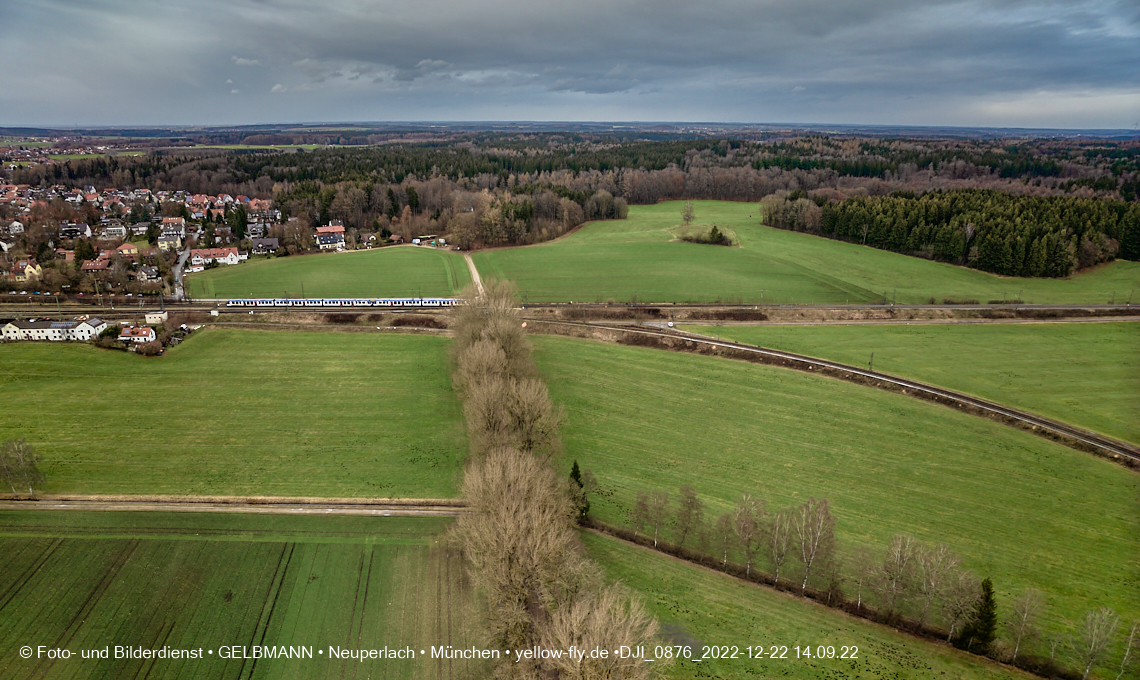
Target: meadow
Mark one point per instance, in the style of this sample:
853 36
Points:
638 259
240 412
380 272
1018 508
697 605
85 581
1085 374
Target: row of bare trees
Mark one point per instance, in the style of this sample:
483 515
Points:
520 535
911 584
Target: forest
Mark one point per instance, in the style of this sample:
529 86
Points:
1042 207
1037 236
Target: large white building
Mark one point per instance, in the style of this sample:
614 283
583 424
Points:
57 331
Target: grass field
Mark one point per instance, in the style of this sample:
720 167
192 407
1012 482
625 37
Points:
240 412
82 581
381 272
1018 508
1086 374
698 604
637 259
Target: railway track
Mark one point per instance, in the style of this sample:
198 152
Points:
1085 439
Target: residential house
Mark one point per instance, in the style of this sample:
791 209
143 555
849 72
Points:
145 274
128 250
114 231
263 246
333 227
138 334
171 242
330 241
139 228
71 230
203 256
100 265
26 270
80 330
15 227
174 225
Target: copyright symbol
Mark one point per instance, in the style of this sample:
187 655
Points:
26 652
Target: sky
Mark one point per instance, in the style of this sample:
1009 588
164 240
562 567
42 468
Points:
997 63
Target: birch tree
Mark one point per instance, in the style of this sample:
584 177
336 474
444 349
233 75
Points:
1023 613
1091 641
815 532
897 573
778 539
690 513
746 518
658 512
934 566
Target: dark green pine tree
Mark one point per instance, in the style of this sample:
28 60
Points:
584 502
981 631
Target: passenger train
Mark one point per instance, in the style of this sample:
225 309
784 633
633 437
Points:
345 302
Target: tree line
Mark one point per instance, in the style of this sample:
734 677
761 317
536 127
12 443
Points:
910 584
994 231
519 536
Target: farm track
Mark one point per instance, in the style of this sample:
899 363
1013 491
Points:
268 505
1067 434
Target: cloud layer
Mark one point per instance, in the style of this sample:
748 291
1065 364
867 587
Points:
937 62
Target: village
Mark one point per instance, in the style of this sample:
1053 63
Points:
73 242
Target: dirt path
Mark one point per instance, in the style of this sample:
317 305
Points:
474 272
889 322
413 507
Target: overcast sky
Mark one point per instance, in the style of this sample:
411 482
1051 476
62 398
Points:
1005 63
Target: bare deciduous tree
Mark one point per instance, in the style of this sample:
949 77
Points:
690 513
778 539
640 514
1126 658
19 463
724 535
959 600
607 620
1022 624
814 526
1092 638
688 214
863 571
658 512
746 519
935 564
897 573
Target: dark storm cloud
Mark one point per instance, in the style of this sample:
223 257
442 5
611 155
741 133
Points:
1003 62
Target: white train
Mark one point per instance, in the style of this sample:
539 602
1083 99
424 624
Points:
345 302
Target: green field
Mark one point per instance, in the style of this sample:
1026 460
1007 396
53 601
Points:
381 272
694 603
1018 508
1085 374
240 412
90 581
637 259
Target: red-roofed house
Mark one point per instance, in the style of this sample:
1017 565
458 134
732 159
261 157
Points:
202 256
137 334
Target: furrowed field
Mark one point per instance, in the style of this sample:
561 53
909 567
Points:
95 580
1085 374
382 272
702 607
637 259
240 412
1018 508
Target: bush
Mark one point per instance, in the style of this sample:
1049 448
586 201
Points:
418 322
149 349
342 318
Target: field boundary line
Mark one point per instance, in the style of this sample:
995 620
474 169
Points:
262 505
1071 436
